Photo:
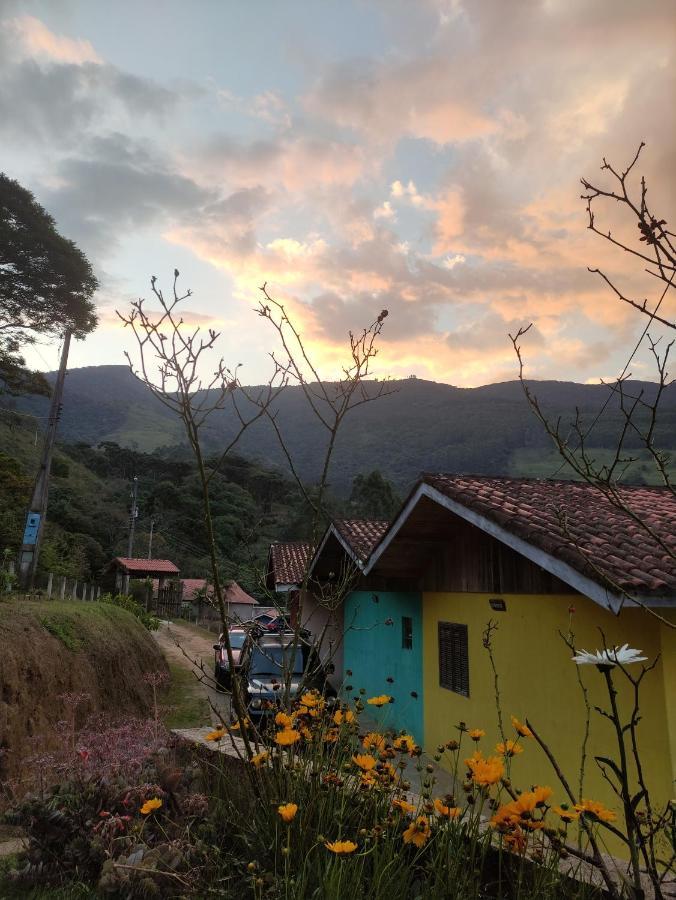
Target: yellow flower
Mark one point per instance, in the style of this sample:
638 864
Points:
215 735
568 815
476 734
310 699
596 810
331 736
509 748
448 812
287 736
287 811
418 832
381 700
341 846
365 761
520 728
542 794
259 759
374 741
343 717
285 721
404 743
485 771
150 805
403 805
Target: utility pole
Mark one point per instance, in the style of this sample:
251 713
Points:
150 542
37 511
132 517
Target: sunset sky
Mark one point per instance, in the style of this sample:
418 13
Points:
422 156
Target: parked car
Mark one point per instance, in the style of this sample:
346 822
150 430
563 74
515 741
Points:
222 672
266 662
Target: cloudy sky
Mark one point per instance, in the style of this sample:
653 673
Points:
422 156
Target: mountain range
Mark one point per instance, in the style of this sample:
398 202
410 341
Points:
419 426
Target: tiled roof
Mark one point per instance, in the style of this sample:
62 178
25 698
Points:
576 523
159 566
191 586
233 593
288 561
362 535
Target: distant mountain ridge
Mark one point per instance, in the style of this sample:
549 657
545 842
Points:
422 426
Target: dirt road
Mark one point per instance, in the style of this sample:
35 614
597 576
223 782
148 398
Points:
191 647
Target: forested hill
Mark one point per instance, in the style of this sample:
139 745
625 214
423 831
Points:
422 425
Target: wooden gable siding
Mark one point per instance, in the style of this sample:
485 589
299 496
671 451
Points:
435 550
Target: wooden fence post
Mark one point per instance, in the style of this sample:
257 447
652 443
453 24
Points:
62 592
50 580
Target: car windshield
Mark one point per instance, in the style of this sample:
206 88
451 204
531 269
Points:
276 660
237 639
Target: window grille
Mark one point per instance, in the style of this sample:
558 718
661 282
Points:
406 633
453 658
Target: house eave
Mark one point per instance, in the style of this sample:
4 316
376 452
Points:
597 592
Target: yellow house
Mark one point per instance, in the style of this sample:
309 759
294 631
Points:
550 565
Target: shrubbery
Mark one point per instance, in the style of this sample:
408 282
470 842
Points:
124 601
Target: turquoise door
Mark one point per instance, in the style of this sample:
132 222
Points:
383 640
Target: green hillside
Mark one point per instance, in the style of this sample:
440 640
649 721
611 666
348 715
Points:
89 500
420 426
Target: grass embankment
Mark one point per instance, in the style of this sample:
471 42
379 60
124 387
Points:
49 649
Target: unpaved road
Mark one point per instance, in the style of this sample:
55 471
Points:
190 647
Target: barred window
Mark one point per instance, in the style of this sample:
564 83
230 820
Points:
453 658
406 633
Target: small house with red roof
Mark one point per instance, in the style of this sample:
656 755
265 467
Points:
123 569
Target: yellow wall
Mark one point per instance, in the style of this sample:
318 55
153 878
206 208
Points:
538 681
668 647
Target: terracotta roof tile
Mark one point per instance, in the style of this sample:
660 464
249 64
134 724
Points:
362 535
131 565
576 523
288 560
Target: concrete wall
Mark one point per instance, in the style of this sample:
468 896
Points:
538 680
325 626
373 652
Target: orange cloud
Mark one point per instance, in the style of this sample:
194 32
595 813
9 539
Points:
38 41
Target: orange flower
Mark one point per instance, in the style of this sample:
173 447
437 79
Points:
287 736
288 812
215 735
341 847
596 810
448 812
285 721
258 760
404 743
418 832
365 761
150 806
311 699
331 736
516 840
485 771
520 728
476 734
568 815
403 805
343 717
374 741
381 700
509 748
542 794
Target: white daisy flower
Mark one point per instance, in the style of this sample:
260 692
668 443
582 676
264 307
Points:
623 655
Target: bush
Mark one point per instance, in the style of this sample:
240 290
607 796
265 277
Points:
124 601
